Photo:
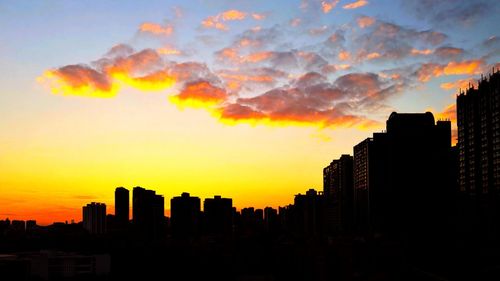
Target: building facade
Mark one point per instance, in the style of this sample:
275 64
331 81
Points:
148 211
94 218
122 207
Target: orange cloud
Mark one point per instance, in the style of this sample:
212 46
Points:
326 6
257 57
365 21
199 94
247 42
141 70
212 22
236 113
344 55
156 81
429 70
355 5
456 85
78 80
168 51
373 55
156 29
217 20
233 15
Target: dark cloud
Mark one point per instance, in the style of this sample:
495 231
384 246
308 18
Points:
384 40
449 52
451 12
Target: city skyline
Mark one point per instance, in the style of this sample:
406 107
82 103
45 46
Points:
248 100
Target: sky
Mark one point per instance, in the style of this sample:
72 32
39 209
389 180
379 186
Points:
244 99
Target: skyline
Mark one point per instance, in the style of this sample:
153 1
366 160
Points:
234 108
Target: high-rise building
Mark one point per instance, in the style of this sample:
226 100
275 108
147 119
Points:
478 120
339 193
30 225
19 225
308 213
218 215
148 210
122 208
185 215
94 218
401 177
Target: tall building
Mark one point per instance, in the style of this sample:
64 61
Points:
401 177
339 193
19 225
478 120
185 215
122 206
94 218
308 213
218 215
148 210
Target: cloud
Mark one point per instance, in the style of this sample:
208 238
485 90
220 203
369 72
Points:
327 6
257 16
295 22
311 100
389 41
78 80
430 70
451 12
168 50
449 52
344 55
144 70
251 78
424 52
229 15
156 29
199 94
457 85
318 31
365 21
356 4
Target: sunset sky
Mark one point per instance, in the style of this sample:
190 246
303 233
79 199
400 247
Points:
244 99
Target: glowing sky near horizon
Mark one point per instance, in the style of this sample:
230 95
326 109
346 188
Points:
244 99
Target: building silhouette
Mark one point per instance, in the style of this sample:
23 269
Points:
185 215
94 218
339 193
218 215
122 201
308 213
18 226
271 220
402 180
148 210
30 225
478 120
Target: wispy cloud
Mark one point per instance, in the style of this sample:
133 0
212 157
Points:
156 29
355 5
